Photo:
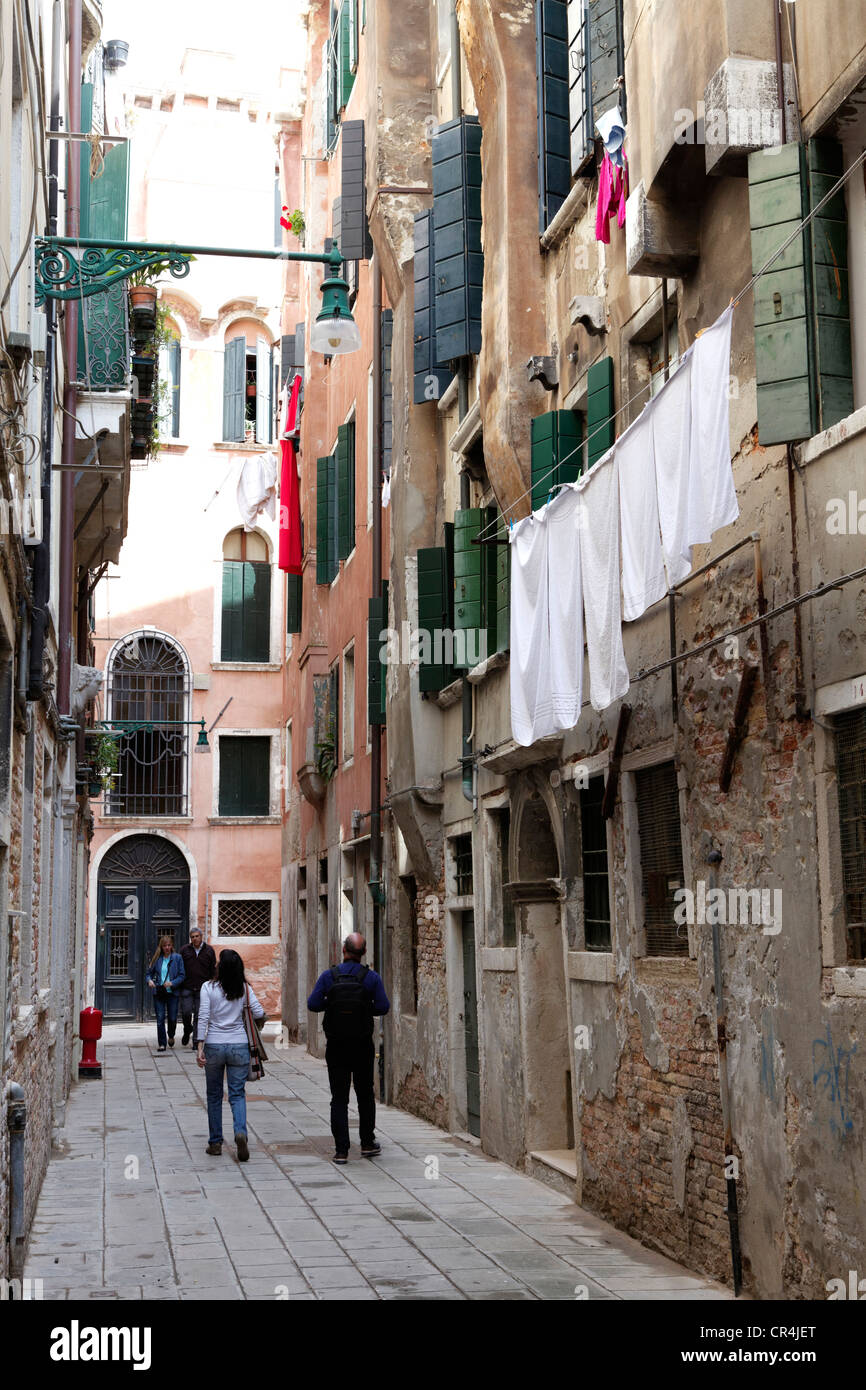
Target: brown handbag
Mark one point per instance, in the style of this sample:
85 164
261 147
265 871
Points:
258 1055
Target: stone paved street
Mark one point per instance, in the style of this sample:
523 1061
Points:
132 1207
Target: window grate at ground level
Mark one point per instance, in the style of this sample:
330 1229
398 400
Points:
661 853
244 917
851 776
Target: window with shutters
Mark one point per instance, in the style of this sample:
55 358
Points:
435 571
501 923
596 889
246 598
339 67
248 388
556 452
169 383
249 916
850 729
661 858
103 328
461 849
580 74
244 775
458 257
377 665
430 378
335 505
349 702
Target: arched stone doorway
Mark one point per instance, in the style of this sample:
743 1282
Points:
142 894
536 885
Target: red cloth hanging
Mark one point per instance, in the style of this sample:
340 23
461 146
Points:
612 193
290 551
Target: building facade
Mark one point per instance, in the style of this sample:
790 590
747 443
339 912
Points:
65 442
188 626
547 1000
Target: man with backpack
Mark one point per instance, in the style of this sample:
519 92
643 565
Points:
350 995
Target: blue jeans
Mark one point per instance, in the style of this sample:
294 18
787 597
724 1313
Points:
234 1058
161 1007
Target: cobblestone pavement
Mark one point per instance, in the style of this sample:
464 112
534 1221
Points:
132 1207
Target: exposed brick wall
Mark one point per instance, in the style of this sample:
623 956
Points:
414 1094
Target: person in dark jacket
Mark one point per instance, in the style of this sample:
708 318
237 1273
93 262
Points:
350 995
164 977
199 963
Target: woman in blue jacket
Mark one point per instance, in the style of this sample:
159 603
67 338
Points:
165 975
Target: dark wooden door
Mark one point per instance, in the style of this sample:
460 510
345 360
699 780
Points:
143 894
470 1027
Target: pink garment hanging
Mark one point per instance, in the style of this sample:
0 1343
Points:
612 193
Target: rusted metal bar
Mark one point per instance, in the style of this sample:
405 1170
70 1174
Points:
764 636
738 729
714 858
610 786
91 509
716 560
672 628
799 688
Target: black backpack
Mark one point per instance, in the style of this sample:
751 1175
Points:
349 1007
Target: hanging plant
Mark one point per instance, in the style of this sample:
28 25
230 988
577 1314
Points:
105 762
294 222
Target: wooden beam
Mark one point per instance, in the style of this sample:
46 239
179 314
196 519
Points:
738 728
610 786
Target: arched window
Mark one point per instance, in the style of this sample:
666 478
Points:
246 606
169 386
148 685
248 376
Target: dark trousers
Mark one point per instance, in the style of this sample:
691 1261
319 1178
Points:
189 1011
161 1007
351 1060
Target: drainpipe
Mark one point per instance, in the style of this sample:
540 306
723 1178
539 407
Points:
70 335
780 66
42 556
714 858
376 591
16 1123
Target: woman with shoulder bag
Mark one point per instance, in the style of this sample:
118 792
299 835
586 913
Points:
165 975
223 1046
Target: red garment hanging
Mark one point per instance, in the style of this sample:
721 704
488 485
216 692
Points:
612 193
290 551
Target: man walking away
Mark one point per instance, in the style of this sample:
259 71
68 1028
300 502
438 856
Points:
199 962
350 995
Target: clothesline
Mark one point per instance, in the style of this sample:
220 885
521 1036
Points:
492 527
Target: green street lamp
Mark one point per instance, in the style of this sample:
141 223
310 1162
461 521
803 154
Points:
101 263
120 727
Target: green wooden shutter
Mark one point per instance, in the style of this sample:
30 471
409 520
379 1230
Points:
458 258
387 393
103 340
345 473
503 589
244 776
326 567
556 452
329 96
346 77
377 624
582 141
353 33
294 602
234 381
829 235
551 57
263 391
469 615
246 611
354 237
435 609
607 57
430 379
600 424
174 387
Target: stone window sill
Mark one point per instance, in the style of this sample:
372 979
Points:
499 958
244 820
599 967
237 446
836 435
246 666
849 981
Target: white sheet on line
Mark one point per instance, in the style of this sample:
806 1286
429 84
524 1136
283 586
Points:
713 501
600 571
257 488
643 567
565 609
671 416
530 638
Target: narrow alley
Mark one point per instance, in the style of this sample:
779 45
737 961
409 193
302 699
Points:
132 1207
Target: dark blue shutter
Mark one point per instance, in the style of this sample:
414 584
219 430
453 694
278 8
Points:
294 602
387 401
325 503
458 259
551 56
234 382
377 624
430 379
345 481
600 424
355 242
174 387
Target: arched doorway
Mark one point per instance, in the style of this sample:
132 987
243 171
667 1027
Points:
142 894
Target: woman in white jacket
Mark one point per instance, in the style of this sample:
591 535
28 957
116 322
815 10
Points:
223 1047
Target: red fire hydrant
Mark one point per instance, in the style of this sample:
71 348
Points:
89 1030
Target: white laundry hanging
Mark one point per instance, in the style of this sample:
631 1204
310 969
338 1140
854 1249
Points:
713 502
643 566
600 572
257 488
565 609
530 634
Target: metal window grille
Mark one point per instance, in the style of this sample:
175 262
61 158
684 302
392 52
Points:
596 895
661 852
509 921
851 776
118 963
148 681
463 865
243 917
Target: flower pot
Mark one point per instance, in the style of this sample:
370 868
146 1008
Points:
144 370
94 789
143 298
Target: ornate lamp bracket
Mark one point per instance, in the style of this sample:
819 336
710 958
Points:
60 274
